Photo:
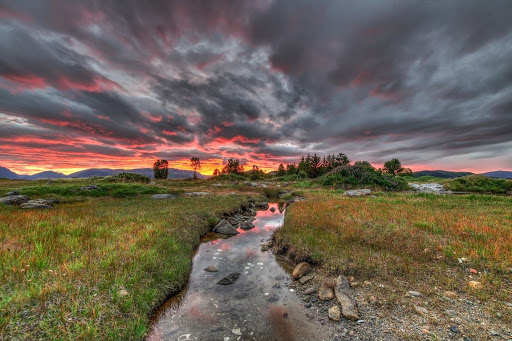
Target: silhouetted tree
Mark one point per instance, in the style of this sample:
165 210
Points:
216 172
196 164
393 166
161 169
233 167
291 169
280 170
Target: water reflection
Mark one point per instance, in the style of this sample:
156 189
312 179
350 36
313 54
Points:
258 306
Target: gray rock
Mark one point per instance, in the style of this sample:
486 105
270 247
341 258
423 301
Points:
211 268
163 196
414 293
420 310
346 298
264 248
13 193
272 209
357 192
38 203
310 291
89 187
262 205
305 279
197 194
229 279
14 199
223 227
247 226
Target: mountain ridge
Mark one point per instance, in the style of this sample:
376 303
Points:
174 173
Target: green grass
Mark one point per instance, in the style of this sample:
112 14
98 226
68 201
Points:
479 184
62 268
413 238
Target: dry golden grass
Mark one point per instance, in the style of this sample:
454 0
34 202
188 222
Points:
413 238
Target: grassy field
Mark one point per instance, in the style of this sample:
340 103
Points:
95 266
410 237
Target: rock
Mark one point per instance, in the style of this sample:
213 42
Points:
14 199
346 298
197 194
305 279
435 188
476 285
455 329
262 205
223 227
163 196
251 212
251 205
473 271
300 270
89 187
13 193
264 248
211 268
247 226
229 279
264 185
273 298
450 313
310 291
357 192
272 209
253 184
420 310
38 203
334 313
450 294
413 294
325 293
240 295
122 293
236 331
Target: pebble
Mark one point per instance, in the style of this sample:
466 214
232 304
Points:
211 268
420 310
455 329
236 331
476 285
413 293
334 313
310 291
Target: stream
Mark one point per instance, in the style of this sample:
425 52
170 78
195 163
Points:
257 306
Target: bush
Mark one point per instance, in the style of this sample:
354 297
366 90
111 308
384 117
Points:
479 184
358 176
127 177
229 177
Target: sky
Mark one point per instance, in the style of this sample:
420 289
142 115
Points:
119 84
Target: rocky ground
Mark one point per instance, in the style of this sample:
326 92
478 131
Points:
392 312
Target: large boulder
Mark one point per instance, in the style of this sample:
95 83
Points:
14 199
346 299
224 227
163 196
38 203
357 192
247 226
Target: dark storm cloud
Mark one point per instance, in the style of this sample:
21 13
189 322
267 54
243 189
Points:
422 79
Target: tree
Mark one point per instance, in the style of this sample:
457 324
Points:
364 164
233 167
341 160
291 169
393 166
196 164
161 169
216 172
280 170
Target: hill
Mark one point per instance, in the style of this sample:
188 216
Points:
499 174
173 173
441 174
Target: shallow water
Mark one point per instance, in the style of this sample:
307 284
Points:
258 306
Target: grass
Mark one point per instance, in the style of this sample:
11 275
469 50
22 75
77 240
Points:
479 184
62 269
413 238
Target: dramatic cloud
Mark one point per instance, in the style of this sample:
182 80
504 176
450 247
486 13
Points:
120 83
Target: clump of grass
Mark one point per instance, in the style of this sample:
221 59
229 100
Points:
479 184
119 190
127 177
410 237
63 269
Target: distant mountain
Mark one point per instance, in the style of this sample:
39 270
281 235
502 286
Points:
173 173
6 173
441 174
499 174
44 175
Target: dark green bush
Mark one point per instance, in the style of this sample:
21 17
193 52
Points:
127 177
479 184
359 176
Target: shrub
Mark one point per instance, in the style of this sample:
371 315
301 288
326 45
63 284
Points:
358 176
479 184
127 177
